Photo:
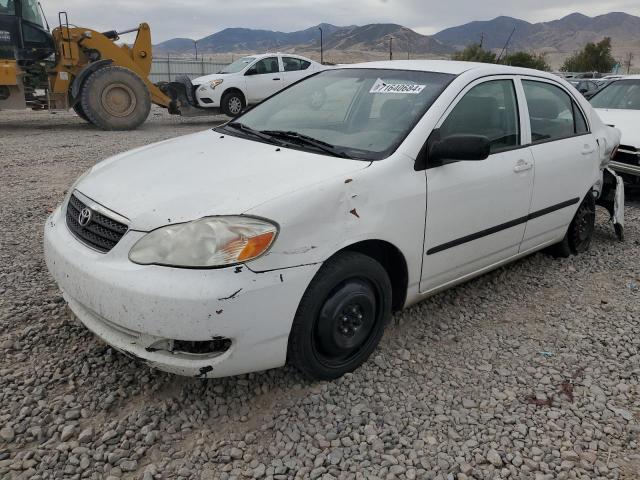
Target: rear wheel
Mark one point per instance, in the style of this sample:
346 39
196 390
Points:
115 98
580 233
232 103
341 317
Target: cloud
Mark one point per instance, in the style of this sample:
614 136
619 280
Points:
198 18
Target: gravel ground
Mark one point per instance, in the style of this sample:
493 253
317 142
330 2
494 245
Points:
530 372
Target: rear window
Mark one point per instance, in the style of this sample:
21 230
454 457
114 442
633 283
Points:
623 95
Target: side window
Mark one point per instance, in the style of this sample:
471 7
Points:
553 114
266 65
294 64
489 109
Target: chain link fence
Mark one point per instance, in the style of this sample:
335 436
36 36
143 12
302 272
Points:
167 69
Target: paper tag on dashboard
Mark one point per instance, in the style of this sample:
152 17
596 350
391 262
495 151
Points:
408 88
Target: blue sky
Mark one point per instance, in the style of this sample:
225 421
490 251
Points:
198 18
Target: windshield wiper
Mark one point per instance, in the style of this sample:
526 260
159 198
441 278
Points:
307 140
255 133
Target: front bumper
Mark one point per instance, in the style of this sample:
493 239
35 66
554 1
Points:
208 97
133 307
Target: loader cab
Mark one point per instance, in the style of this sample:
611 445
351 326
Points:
24 35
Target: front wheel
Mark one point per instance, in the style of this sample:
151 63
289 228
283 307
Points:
341 317
232 104
115 98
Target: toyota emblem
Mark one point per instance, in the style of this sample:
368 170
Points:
84 217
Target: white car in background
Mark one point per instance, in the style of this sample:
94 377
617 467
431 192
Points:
293 233
251 79
618 104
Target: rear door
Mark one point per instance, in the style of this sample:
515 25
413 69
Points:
565 154
295 69
263 79
476 210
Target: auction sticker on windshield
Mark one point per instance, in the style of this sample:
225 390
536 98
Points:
382 87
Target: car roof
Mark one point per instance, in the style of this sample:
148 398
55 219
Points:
451 67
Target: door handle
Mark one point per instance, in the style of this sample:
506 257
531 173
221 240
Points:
522 166
276 79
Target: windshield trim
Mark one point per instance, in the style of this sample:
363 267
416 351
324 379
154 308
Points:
372 156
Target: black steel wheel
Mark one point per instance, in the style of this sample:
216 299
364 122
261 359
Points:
341 317
583 225
580 232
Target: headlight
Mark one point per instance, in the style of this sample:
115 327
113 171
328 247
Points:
208 242
215 83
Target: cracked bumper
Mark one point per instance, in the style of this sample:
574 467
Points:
131 306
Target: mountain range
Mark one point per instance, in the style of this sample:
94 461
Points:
557 38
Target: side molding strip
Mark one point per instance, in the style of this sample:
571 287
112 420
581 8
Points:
504 226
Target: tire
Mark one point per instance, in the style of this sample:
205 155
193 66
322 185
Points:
115 98
341 317
580 233
232 103
80 112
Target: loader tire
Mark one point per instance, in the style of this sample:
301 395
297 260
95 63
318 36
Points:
115 98
80 112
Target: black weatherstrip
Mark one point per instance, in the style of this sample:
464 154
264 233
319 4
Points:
504 226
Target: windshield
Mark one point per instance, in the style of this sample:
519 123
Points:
623 94
365 113
31 12
238 65
7 7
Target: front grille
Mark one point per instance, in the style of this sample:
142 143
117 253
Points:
627 154
100 233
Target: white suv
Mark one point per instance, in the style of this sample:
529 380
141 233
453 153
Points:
251 79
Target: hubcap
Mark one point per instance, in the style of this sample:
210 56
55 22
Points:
119 100
235 105
346 321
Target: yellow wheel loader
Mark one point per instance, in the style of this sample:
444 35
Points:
78 68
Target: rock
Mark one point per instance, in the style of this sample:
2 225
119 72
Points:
86 436
7 434
67 432
494 458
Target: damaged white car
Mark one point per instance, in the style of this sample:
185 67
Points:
293 233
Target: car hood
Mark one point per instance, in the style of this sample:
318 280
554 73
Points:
204 174
627 121
215 76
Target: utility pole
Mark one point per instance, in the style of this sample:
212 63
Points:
321 47
390 47
481 39
628 62
195 43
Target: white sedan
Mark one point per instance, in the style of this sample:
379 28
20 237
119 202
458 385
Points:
618 104
293 233
251 79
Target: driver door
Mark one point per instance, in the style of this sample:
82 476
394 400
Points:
477 210
263 79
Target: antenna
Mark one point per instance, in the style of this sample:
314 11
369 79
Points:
506 45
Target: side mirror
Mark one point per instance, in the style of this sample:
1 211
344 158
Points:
252 71
452 149
583 90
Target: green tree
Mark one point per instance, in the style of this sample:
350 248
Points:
475 53
594 57
527 60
